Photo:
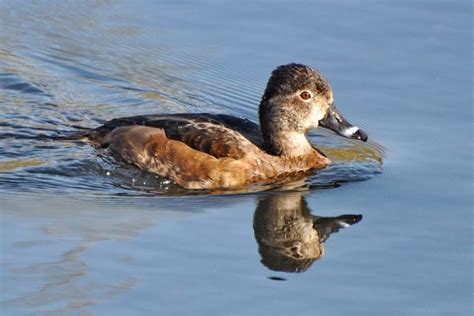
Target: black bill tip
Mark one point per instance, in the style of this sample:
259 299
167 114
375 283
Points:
360 135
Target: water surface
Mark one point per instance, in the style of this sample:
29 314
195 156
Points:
83 234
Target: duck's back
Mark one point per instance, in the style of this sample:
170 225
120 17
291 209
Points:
219 135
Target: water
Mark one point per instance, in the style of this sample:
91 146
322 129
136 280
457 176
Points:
83 234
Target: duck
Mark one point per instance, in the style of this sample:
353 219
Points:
220 151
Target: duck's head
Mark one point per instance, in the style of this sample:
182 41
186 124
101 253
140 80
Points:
298 98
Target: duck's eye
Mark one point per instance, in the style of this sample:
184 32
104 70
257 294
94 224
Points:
305 95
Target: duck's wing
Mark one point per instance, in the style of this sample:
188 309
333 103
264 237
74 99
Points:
219 135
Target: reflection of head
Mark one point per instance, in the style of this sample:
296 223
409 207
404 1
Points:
289 238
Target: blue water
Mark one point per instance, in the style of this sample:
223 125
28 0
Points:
84 234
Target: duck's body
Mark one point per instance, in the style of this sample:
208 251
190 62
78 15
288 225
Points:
208 151
200 150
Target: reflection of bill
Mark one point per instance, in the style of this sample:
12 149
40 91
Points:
289 238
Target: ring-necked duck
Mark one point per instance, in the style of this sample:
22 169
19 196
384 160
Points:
204 151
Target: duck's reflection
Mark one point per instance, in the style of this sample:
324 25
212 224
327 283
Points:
289 237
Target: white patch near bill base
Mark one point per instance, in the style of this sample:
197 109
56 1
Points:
343 224
348 132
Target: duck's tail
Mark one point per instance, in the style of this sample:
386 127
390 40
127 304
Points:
81 134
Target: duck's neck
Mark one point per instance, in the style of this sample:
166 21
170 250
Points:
287 144
292 150
283 132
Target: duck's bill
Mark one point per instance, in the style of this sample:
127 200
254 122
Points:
337 123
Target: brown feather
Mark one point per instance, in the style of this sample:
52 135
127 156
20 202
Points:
198 152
